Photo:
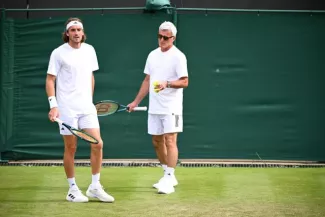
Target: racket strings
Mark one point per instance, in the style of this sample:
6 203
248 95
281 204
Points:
85 136
106 108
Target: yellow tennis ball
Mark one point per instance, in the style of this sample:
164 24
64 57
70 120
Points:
155 83
156 86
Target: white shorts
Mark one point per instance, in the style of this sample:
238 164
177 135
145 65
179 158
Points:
79 122
161 124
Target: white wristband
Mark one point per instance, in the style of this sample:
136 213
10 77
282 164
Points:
52 101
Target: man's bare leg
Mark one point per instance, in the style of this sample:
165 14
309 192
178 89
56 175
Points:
169 181
172 151
161 151
160 148
96 155
70 147
95 189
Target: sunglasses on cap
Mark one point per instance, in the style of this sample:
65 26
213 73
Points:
164 37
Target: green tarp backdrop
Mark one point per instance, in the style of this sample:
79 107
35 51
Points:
256 85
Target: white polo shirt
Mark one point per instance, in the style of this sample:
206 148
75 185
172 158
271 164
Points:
73 69
166 66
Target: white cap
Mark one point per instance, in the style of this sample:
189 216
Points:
168 26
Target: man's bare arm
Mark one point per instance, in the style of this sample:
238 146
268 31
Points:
50 85
50 91
180 83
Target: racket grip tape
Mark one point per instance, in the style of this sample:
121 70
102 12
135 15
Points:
142 108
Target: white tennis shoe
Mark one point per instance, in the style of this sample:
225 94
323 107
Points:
173 181
99 193
166 185
75 195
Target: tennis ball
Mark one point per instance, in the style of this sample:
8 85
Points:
156 88
155 83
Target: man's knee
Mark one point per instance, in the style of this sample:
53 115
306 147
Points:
70 150
171 140
97 147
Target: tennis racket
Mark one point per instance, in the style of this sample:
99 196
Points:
79 133
109 107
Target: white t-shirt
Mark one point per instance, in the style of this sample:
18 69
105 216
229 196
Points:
73 69
166 66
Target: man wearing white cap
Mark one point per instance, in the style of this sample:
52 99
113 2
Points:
166 77
69 87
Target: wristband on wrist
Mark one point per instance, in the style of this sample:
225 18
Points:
168 84
52 101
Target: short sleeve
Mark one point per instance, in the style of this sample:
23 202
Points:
181 67
94 60
147 68
54 64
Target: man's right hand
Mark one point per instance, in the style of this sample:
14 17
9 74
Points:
54 113
131 106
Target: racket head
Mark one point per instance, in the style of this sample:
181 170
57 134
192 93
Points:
108 107
84 136
79 133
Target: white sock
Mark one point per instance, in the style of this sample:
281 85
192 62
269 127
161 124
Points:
164 166
72 182
95 179
170 171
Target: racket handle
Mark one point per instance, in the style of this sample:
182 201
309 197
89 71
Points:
142 108
58 120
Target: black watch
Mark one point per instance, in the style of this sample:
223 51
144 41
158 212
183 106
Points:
168 84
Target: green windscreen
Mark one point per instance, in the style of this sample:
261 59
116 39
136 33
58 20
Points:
256 85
